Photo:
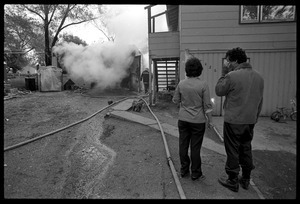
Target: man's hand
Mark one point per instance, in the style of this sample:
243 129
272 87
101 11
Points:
208 125
208 120
225 70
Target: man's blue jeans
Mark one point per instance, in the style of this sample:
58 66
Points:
190 134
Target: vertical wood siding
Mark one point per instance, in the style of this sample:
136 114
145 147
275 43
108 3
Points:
211 63
277 69
279 72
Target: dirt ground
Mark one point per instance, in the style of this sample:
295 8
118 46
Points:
105 157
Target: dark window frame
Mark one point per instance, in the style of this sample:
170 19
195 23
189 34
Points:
259 15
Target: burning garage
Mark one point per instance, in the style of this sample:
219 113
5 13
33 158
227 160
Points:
101 66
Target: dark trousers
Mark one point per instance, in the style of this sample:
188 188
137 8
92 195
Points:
237 141
190 134
146 86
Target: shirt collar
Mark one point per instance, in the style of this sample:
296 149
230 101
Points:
243 65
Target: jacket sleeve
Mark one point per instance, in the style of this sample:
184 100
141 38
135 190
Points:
176 98
260 106
207 106
223 85
262 99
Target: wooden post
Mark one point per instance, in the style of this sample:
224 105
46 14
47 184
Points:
154 85
150 81
149 20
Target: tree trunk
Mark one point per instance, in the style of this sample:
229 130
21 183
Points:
47 48
48 55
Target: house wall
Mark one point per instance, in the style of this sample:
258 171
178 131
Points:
217 27
277 69
207 32
164 45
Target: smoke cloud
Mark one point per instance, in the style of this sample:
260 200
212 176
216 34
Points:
131 25
106 63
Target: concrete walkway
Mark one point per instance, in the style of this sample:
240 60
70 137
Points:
168 129
121 113
270 135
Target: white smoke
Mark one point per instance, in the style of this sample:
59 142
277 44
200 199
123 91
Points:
131 25
106 64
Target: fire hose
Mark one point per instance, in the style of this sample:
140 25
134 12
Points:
63 128
178 185
170 162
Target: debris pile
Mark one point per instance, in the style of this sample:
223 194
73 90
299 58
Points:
10 93
137 105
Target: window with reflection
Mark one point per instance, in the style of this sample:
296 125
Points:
267 13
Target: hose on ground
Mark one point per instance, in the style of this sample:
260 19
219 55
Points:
175 176
63 128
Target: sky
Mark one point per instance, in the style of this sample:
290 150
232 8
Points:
130 25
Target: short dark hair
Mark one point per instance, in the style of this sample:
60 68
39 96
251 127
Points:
236 54
193 67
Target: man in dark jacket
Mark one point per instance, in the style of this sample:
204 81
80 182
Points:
243 88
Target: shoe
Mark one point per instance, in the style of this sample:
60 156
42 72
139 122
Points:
184 174
232 184
200 178
244 183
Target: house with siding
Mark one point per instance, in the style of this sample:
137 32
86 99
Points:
266 33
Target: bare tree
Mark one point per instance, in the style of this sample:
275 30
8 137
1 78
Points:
56 17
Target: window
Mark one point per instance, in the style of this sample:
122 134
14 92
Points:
267 13
277 13
157 21
249 14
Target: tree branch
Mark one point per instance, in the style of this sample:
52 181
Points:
103 33
63 20
29 50
53 12
60 26
71 8
77 23
33 11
